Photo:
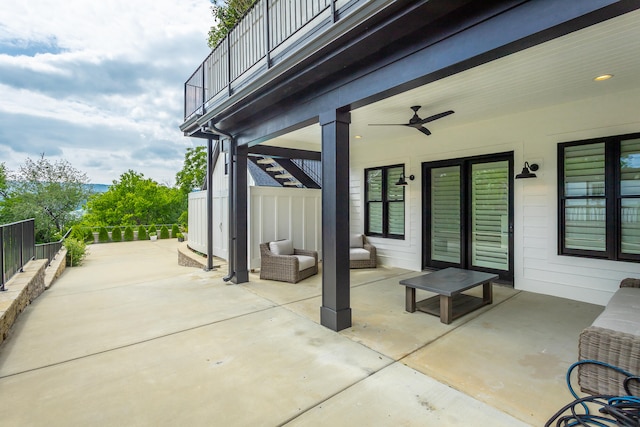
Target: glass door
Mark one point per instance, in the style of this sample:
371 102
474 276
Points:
468 214
490 224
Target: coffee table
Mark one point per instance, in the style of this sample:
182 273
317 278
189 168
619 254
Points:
450 303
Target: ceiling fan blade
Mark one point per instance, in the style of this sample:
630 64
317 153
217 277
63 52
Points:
424 130
388 124
436 117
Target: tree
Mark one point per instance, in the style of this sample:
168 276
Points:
49 191
194 169
226 13
3 180
135 200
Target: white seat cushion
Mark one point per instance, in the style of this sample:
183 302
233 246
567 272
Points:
305 262
281 247
621 313
357 254
356 241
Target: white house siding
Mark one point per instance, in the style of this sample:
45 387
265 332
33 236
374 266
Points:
532 136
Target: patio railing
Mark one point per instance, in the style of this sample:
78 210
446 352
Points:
271 31
48 251
17 247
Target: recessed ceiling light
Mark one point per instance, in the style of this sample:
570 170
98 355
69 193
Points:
358 137
603 77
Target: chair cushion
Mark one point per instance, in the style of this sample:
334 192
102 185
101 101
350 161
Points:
358 254
356 241
281 247
621 313
305 262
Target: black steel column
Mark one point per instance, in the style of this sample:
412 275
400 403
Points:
240 212
209 204
335 312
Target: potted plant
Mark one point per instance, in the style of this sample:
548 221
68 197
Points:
153 236
180 237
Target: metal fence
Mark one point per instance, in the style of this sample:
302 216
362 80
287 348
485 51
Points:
270 31
48 251
17 247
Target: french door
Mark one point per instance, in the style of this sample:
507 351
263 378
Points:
468 214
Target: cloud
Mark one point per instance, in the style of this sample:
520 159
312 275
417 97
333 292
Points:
99 83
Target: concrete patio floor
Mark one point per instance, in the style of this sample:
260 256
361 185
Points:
132 338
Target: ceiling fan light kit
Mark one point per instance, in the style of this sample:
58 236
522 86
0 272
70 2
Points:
416 122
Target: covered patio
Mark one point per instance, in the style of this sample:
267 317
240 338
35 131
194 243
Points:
131 338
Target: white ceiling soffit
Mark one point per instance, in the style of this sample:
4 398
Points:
555 72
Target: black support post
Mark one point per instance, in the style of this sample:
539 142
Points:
210 167
335 312
240 212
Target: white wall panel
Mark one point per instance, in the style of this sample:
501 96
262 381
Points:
284 213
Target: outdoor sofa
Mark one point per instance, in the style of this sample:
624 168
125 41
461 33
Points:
281 261
613 338
362 254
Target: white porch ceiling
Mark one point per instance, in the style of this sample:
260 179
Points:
552 73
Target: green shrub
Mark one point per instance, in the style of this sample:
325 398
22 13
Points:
128 234
175 230
76 251
88 235
116 234
164 232
142 233
103 235
152 229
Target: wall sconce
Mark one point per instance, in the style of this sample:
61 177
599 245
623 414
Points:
526 173
402 181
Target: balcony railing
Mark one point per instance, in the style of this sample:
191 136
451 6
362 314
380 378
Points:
270 32
17 247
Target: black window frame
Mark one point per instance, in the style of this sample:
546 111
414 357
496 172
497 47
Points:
612 200
385 204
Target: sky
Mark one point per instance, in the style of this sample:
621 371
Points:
99 83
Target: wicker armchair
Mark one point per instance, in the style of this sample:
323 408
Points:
613 338
285 268
370 261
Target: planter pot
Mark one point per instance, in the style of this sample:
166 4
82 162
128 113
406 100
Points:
153 238
180 239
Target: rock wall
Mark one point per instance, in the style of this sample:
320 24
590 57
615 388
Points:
20 291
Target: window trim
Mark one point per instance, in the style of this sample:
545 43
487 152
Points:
385 204
612 197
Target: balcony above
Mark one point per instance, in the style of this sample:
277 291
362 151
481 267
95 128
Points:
273 39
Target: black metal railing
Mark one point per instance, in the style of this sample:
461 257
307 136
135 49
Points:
313 168
272 30
49 251
17 247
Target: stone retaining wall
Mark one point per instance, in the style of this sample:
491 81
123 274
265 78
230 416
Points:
21 290
187 258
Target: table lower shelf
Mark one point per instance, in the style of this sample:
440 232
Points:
461 305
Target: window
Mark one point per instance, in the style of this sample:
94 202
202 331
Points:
599 198
384 202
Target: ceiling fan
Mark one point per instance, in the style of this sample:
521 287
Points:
416 122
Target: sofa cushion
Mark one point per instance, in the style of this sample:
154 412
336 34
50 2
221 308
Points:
356 241
281 247
621 313
305 262
358 254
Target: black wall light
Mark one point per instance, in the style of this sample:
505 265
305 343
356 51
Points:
403 181
526 173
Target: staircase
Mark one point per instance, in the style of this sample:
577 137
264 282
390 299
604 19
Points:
300 173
